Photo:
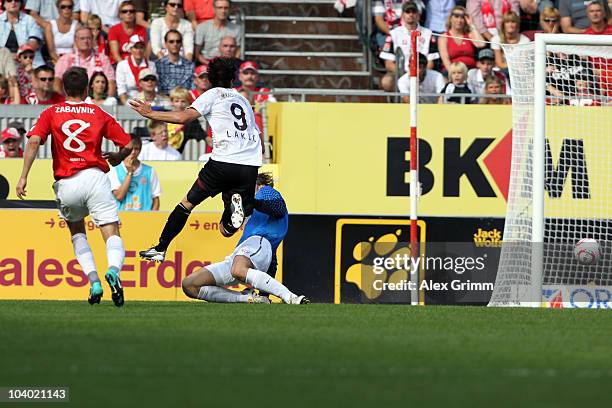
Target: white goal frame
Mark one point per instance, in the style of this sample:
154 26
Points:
539 144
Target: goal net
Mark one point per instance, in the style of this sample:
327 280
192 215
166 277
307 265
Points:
561 172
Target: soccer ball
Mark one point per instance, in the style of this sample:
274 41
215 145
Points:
586 251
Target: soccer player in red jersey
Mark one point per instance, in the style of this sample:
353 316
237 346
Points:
80 168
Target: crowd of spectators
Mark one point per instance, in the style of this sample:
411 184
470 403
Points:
127 54
460 47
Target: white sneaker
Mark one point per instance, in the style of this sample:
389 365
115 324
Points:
255 298
237 211
153 255
298 300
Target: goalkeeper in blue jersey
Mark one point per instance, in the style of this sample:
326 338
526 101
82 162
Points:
254 258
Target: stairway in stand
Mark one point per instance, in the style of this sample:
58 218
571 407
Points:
305 45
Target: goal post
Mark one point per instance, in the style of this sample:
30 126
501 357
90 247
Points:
562 135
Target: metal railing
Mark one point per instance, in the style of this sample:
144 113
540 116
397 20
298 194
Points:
127 118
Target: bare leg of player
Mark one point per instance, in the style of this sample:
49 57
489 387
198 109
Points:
244 270
115 254
85 257
202 285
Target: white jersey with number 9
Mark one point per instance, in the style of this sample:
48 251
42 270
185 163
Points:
235 134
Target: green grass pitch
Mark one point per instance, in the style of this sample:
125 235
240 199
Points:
154 354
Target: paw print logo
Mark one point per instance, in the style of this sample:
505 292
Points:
365 275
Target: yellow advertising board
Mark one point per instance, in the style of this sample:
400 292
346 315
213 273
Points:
354 158
175 178
37 260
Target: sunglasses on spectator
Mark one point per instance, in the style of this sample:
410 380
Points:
175 41
179 5
66 7
27 56
12 1
149 79
46 79
458 15
128 11
551 20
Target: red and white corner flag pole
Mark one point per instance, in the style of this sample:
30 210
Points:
414 175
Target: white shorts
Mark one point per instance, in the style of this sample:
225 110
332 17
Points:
256 248
86 192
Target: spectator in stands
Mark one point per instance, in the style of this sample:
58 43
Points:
119 35
573 16
171 21
509 34
487 15
585 90
198 11
249 77
437 13
94 23
209 33
5 93
10 71
227 49
494 86
135 185
107 11
7 63
477 77
44 11
399 38
430 82
25 70
87 57
147 79
461 48
129 69
18 28
457 75
387 16
550 20
59 33
178 135
598 19
98 91
174 70
11 141
201 82
43 93
142 12
158 149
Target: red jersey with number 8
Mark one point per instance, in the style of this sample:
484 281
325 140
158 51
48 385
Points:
77 130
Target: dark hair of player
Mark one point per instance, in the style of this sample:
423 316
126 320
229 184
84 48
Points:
75 81
265 179
221 72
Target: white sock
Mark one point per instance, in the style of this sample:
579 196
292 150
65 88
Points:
85 257
221 295
115 254
262 281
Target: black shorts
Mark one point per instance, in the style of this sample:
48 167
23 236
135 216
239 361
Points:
228 179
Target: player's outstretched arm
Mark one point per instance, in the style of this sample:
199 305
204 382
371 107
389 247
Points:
29 155
269 201
180 117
